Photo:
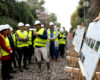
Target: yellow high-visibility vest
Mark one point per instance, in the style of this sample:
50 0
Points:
30 38
62 41
38 41
23 36
3 52
54 33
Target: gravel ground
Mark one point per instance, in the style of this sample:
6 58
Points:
57 72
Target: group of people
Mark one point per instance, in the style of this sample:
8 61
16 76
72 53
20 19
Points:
27 42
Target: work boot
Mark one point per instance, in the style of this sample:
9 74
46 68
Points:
48 67
25 65
39 67
20 69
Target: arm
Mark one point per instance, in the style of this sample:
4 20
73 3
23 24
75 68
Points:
44 36
20 39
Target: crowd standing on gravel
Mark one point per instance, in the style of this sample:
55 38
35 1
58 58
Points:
18 47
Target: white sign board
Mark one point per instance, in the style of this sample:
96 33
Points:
78 38
90 52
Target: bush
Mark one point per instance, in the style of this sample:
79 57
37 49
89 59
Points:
7 20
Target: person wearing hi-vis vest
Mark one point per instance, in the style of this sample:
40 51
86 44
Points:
53 38
22 45
30 42
62 42
40 45
10 37
6 51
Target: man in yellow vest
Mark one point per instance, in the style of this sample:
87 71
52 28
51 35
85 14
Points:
30 42
40 45
62 42
22 45
53 38
6 51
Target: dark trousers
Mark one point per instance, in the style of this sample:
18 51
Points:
22 52
5 69
61 49
31 53
13 61
53 51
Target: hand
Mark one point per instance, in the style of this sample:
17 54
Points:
0 55
35 34
10 51
51 39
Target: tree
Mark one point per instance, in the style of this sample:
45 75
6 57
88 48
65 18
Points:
58 24
53 17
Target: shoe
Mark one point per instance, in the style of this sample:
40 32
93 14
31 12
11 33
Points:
49 70
57 60
39 70
20 70
16 67
52 60
13 71
39 67
10 77
48 67
26 68
30 62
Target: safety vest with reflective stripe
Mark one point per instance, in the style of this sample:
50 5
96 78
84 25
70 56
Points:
38 41
3 52
54 34
30 38
62 41
22 36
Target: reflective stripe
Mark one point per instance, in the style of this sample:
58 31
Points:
24 35
40 42
62 41
54 33
3 52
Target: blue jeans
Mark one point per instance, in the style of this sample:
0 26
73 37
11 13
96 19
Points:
53 51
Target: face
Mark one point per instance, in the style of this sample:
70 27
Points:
27 28
8 31
37 26
5 31
21 27
51 26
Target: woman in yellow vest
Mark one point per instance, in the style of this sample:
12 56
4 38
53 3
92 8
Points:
62 42
22 45
5 53
40 45
30 42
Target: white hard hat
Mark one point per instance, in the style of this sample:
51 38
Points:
27 25
51 23
61 30
31 29
20 24
7 26
3 27
11 29
42 25
37 22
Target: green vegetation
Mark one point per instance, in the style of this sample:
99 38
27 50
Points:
12 12
91 13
